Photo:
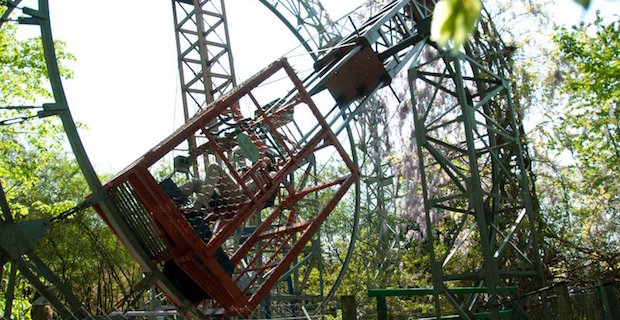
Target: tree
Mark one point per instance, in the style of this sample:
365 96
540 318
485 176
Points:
580 183
23 74
42 179
455 20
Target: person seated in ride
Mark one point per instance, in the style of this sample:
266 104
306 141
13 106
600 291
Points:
217 190
192 212
220 191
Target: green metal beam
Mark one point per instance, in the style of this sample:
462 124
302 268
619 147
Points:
10 6
381 308
416 292
478 315
474 186
17 238
467 96
10 291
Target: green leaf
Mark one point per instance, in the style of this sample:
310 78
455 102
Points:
584 3
454 20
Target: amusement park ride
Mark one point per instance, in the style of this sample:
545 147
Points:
248 155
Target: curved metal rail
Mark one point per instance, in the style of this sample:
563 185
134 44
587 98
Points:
309 22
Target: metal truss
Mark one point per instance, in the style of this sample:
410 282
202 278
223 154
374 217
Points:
389 40
16 242
206 67
309 22
393 34
486 163
390 31
379 187
262 240
474 176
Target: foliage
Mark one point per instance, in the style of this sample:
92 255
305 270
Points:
454 20
41 179
580 176
23 74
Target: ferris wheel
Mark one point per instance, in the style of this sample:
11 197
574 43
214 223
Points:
234 223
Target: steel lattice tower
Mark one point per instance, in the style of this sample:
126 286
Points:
474 167
474 173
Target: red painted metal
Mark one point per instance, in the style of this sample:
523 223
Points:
279 236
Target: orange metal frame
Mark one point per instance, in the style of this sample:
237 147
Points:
275 245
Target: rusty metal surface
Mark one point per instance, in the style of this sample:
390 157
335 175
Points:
280 232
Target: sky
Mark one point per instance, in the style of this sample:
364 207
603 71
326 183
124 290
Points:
126 85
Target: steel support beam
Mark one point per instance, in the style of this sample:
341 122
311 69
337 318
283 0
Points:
396 35
309 22
10 292
206 67
472 166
